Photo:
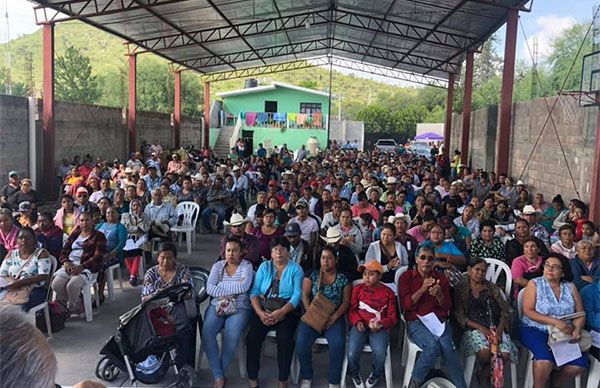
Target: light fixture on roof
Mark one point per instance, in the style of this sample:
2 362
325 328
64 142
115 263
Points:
307 24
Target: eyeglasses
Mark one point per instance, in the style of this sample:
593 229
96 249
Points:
553 267
426 258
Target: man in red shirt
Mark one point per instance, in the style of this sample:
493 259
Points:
425 300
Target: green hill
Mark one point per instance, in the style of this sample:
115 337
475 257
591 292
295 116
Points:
107 55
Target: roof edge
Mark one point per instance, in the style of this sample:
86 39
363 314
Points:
273 86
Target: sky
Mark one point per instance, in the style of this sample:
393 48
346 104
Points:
546 21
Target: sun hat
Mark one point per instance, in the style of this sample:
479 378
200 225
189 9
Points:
372 265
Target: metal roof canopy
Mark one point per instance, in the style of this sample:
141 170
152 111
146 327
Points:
416 40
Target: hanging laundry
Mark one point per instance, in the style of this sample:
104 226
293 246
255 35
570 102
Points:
262 118
250 118
301 118
318 119
280 117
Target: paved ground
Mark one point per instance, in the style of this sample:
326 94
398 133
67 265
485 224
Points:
77 346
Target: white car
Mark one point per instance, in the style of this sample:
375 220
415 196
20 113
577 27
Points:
386 145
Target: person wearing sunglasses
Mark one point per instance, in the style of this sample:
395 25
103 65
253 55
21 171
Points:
424 292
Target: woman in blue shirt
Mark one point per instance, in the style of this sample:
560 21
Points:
116 236
586 268
275 296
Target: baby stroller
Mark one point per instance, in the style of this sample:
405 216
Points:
146 342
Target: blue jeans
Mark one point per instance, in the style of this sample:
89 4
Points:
433 347
207 212
336 340
378 342
235 325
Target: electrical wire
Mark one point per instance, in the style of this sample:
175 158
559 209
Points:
549 118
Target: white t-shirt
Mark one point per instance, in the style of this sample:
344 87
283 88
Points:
77 250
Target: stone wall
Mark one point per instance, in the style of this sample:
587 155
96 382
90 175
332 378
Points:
546 171
83 129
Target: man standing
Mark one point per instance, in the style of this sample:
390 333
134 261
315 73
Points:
240 185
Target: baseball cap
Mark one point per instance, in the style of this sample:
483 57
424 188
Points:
293 229
272 182
25 206
81 189
11 173
372 265
302 203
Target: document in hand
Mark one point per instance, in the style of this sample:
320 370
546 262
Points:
433 324
565 351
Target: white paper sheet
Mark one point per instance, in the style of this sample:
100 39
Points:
433 324
564 351
595 338
130 244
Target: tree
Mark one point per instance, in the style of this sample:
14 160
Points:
74 79
376 118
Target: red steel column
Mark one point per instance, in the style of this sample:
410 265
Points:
508 77
448 123
464 142
177 114
48 109
595 189
131 117
206 137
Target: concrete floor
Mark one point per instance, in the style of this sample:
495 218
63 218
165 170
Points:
77 346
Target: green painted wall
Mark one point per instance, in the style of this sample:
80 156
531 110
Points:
288 100
213 133
294 137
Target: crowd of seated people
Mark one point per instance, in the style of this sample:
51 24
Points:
370 235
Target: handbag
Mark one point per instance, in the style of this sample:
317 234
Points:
226 305
272 303
319 311
556 335
20 295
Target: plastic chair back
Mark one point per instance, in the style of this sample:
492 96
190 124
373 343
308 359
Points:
495 269
190 212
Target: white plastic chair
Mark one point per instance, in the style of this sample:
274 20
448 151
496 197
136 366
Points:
190 212
593 373
110 280
495 269
87 296
389 381
44 305
528 383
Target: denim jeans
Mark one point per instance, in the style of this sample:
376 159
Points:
336 340
432 348
207 213
378 342
235 325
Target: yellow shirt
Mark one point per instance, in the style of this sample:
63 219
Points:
68 223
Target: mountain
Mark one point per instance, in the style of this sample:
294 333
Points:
107 55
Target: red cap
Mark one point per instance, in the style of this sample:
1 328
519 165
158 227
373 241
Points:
272 183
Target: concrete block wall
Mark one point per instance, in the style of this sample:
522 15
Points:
546 171
14 136
82 129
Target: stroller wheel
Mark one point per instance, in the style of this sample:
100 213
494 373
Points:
106 370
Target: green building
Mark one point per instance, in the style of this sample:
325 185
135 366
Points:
276 114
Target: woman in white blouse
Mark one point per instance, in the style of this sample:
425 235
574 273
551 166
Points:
228 285
389 252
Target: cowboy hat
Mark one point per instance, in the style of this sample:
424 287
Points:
333 236
365 183
527 210
235 220
376 188
400 216
520 183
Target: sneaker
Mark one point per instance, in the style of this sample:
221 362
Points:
371 381
306 384
358 383
133 280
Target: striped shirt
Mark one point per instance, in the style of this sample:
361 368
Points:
221 284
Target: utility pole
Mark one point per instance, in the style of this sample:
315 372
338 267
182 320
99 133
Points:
7 58
29 70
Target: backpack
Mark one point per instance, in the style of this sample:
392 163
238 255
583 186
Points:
58 316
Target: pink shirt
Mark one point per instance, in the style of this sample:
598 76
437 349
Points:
357 210
520 266
417 234
9 240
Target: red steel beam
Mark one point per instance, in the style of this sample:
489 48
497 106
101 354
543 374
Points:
508 78
464 142
177 114
449 105
131 117
206 134
48 109
595 189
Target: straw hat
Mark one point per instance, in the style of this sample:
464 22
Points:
333 236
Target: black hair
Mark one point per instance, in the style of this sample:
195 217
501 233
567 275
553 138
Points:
27 229
533 240
477 261
168 247
489 223
523 220
565 264
390 226
67 196
428 216
235 240
566 227
280 241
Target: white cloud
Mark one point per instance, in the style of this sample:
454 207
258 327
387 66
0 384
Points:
548 28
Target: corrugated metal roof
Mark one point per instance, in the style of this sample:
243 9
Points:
427 37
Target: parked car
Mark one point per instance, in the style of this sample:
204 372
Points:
386 145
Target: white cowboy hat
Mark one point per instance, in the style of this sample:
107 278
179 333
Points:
520 183
235 220
235 168
333 236
527 210
377 188
400 216
391 180
365 183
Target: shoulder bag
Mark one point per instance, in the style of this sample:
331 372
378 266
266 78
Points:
226 305
319 312
272 303
555 335
20 295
